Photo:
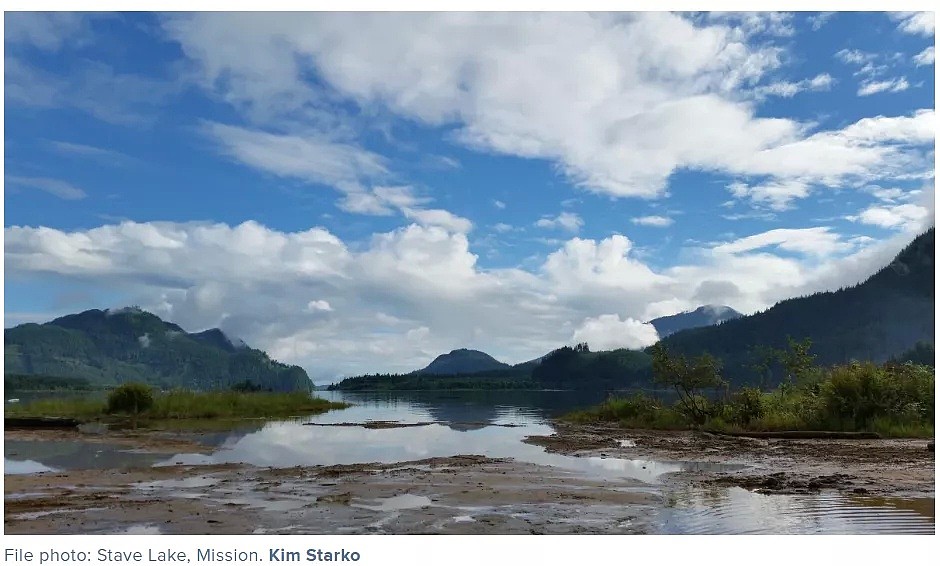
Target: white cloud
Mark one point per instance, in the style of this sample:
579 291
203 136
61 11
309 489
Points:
55 187
436 217
909 217
656 221
313 158
566 220
915 23
785 89
655 93
810 241
319 306
502 227
609 332
868 88
817 21
499 204
855 56
424 280
925 57
777 195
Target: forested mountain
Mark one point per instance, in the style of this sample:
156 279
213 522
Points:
463 361
109 347
579 368
885 316
707 315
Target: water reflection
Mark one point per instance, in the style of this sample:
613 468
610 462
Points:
24 467
739 511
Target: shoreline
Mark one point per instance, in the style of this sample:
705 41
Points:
893 467
460 494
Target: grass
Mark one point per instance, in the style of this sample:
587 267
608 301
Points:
188 405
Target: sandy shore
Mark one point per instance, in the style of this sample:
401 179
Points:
885 467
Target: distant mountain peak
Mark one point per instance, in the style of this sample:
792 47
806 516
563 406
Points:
705 315
463 360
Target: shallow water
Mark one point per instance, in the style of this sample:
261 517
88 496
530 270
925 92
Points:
739 511
479 423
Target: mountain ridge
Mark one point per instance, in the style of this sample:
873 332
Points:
108 347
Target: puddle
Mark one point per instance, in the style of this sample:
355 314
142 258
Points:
24 467
186 483
140 530
398 503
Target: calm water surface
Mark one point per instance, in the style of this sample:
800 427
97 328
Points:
493 424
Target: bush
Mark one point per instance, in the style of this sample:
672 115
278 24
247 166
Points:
131 398
746 406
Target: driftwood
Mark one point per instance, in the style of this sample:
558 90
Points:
800 434
39 422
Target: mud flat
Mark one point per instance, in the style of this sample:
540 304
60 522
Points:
460 494
883 467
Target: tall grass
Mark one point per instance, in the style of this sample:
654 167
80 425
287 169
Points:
183 404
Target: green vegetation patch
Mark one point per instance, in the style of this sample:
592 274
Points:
179 404
891 399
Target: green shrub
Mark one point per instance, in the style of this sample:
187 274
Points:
746 406
130 398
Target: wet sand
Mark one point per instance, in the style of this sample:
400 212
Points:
884 467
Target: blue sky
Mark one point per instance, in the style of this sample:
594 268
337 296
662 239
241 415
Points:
360 192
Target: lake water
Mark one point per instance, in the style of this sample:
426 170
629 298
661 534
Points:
493 424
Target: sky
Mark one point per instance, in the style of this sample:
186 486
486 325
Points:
360 192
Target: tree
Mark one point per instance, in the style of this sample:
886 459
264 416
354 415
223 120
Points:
688 378
130 398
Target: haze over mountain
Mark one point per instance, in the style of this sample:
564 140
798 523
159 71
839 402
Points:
886 315
706 315
463 361
107 347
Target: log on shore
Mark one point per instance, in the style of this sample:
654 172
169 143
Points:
801 434
39 422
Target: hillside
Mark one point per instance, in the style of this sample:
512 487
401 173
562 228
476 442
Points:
884 316
463 361
109 347
708 315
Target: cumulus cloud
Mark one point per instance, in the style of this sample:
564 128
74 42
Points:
425 283
656 93
609 332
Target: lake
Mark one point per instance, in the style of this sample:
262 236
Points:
493 424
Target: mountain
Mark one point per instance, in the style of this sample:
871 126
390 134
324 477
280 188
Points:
114 346
708 315
885 316
463 361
